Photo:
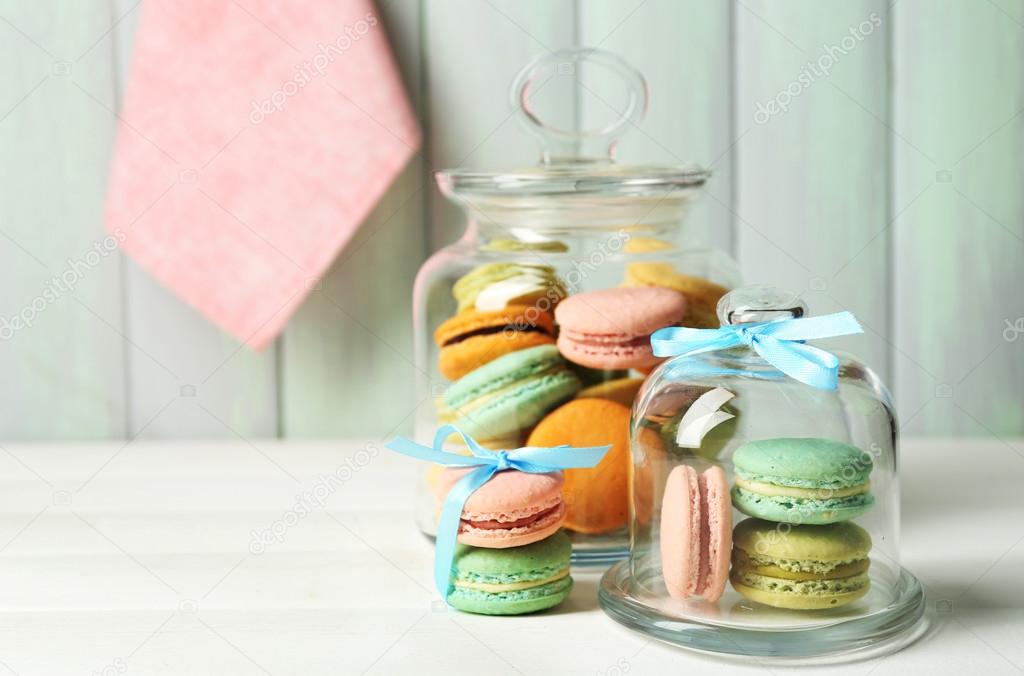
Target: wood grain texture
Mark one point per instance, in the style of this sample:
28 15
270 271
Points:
689 76
473 50
346 356
959 112
63 368
151 567
812 178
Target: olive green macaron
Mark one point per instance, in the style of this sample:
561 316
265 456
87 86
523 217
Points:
493 286
800 567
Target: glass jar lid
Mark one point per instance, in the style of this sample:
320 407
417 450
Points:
575 164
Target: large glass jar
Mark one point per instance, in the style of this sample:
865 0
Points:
809 542
535 239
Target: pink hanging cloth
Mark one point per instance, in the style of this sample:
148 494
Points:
254 138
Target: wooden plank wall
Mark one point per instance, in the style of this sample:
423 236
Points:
958 241
886 179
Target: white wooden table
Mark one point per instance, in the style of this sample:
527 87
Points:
140 558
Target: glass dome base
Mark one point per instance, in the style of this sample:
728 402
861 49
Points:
822 637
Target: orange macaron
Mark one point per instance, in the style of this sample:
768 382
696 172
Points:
596 498
473 338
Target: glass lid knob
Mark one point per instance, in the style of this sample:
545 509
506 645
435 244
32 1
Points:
759 303
566 145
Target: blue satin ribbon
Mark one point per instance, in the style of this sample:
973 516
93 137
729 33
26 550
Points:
530 459
779 342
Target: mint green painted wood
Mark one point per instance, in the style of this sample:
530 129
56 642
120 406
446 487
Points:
472 51
959 241
928 255
684 51
346 356
64 375
811 171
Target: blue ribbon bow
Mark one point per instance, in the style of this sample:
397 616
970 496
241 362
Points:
530 459
779 342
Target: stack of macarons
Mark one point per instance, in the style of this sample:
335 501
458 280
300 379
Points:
604 330
530 364
799 551
499 351
512 557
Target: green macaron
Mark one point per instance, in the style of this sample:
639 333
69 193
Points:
802 480
511 581
496 285
511 393
800 567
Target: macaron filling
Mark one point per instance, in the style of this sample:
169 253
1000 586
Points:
500 523
818 587
496 585
834 482
500 294
743 498
494 528
704 565
495 285
491 330
799 569
781 490
603 340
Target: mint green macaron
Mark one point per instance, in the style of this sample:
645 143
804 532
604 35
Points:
511 581
511 393
802 480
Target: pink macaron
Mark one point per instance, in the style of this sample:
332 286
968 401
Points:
512 509
696 533
611 328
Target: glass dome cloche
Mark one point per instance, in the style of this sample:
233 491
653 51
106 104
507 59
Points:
534 327
764 495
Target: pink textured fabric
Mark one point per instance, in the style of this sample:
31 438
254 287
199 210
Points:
255 137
